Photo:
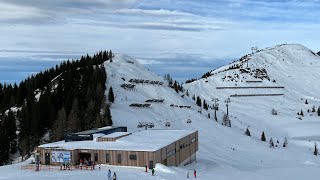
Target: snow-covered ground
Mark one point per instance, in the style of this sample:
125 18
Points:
224 153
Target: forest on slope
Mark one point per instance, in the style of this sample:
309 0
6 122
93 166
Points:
67 98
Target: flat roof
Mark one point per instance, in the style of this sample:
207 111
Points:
93 131
148 140
116 134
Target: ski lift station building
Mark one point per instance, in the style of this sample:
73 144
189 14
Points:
116 146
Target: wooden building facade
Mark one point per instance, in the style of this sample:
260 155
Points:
180 151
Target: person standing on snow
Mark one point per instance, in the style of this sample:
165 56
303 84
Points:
114 176
152 171
195 173
109 175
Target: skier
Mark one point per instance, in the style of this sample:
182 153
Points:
152 171
114 176
109 175
195 173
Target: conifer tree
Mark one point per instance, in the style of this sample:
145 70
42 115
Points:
58 128
271 143
98 122
111 95
315 152
198 101
110 56
74 124
205 106
263 137
107 115
318 111
301 113
285 143
248 132
306 101
313 108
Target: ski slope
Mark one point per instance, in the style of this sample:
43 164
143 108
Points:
224 153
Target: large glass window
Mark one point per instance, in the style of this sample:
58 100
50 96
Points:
119 158
107 158
133 157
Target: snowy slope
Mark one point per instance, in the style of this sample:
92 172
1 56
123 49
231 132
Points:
222 147
224 153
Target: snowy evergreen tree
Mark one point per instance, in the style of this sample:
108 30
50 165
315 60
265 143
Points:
306 102
313 108
318 111
271 143
301 113
198 101
285 143
248 132
263 137
111 95
315 152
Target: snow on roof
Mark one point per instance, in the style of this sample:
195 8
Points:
149 140
116 134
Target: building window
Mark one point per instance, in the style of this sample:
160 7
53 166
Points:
119 158
170 153
107 158
133 157
193 140
96 157
183 145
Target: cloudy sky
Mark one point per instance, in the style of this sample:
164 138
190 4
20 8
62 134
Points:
185 38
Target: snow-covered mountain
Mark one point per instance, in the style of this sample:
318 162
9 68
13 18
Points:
282 78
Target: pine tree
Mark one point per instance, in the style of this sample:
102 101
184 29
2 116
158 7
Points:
5 145
285 143
107 116
271 143
11 128
110 56
198 101
313 108
301 113
176 86
315 152
111 95
58 128
248 132
209 115
187 93
263 137
318 111
74 124
98 122
194 98
306 101
205 106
